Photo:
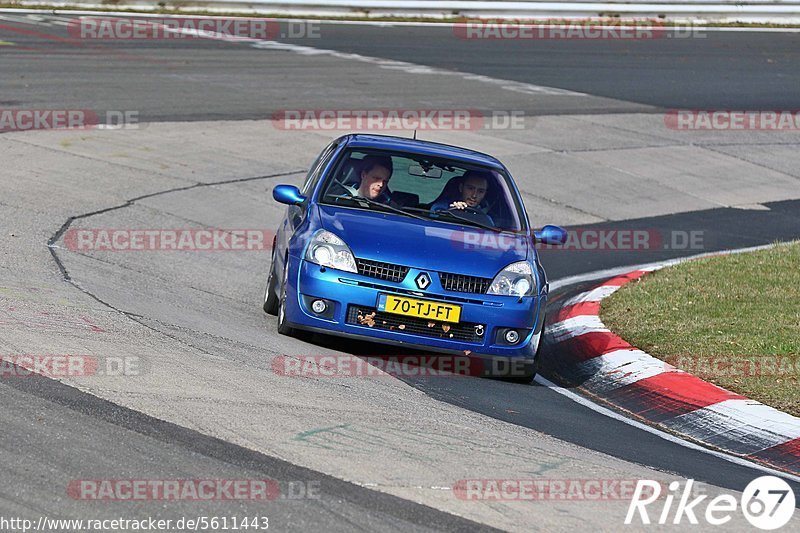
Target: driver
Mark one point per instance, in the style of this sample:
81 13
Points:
471 192
376 170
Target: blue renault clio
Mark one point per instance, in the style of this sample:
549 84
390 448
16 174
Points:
412 243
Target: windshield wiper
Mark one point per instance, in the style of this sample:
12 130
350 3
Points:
463 219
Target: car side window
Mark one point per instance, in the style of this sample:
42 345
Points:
316 168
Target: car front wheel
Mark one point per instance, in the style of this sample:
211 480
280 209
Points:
283 327
271 302
536 366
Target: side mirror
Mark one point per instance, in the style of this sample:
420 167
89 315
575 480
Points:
551 235
288 194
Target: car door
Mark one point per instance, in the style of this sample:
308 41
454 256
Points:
296 214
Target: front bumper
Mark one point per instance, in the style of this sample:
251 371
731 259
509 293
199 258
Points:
352 295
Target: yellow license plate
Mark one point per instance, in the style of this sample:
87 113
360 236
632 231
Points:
400 305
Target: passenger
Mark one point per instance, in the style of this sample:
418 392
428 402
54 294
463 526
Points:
471 192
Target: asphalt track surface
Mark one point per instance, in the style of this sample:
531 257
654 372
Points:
725 71
207 80
716 70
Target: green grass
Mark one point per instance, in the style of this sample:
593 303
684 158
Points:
733 320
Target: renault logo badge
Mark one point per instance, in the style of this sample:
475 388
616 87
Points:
423 281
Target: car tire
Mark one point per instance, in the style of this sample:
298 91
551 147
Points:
283 326
271 301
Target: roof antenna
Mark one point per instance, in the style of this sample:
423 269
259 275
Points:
415 135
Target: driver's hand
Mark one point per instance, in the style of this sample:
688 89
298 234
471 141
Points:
458 205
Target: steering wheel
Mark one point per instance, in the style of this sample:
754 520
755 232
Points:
475 215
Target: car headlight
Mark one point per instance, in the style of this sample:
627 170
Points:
328 250
514 280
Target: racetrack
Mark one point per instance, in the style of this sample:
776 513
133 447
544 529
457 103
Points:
594 153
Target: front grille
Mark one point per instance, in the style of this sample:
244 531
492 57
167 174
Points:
384 271
464 331
461 283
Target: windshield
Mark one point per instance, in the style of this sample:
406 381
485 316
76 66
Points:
444 190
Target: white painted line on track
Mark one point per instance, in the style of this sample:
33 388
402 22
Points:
666 436
391 64
405 66
413 68
24 20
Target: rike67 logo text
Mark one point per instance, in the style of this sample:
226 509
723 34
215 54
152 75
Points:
767 503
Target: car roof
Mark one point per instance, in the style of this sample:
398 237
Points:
418 146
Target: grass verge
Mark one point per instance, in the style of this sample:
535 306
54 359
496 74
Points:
733 320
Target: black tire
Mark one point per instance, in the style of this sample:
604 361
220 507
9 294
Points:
271 301
283 327
536 367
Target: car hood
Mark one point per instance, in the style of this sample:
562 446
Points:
423 244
